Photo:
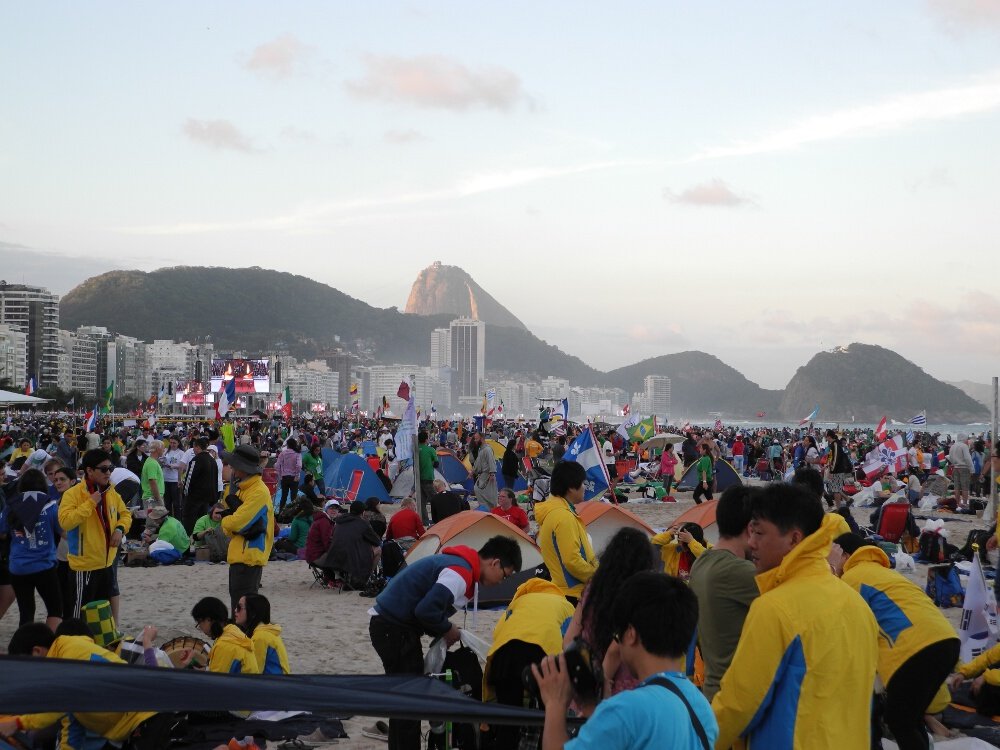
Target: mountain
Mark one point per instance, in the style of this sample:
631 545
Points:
448 290
867 382
981 392
699 383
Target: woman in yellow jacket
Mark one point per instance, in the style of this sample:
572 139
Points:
680 547
984 671
917 646
253 616
232 652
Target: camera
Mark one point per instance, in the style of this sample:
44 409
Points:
585 673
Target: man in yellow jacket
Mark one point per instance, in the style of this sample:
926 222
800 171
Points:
248 520
562 536
917 646
35 639
95 520
803 672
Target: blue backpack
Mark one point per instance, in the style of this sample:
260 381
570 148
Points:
944 587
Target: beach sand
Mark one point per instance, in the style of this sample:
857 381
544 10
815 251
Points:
326 631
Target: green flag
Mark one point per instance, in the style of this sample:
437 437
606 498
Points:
109 397
643 430
228 435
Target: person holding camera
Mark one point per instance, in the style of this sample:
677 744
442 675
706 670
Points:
654 618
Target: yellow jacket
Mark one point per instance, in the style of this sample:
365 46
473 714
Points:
907 619
791 684
671 549
112 726
565 545
269 649
982 665
233 653
538 614
256 505
89 542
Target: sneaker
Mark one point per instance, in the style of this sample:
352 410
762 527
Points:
378 731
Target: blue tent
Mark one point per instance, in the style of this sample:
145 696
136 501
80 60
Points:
451 468
342 476
725 476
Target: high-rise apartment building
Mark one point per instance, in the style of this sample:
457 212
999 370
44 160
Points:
468 360
656 389
34 312
440 348
13 357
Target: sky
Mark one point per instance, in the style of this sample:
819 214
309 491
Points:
761 181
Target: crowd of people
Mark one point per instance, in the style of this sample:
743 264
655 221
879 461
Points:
772 636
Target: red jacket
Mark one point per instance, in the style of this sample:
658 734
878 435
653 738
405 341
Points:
318 538
515 515
405 522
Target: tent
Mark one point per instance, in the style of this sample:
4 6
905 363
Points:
453 470
520 484
604 519
472 528
725 477
704 516
10 398
403 486
349 475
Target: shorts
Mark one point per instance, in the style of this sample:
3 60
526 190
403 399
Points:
837 482
960 477
612 470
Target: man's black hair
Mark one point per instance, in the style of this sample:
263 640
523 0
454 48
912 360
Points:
202 443
73 626
94 458
788 506
422 436
566 475
27 637
357 507
732 512
851 542
808 477
503 548
662 609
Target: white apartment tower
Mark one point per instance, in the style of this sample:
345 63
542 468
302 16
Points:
468 359
34 312
657 394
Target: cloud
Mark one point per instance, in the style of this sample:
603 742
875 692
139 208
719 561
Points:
403 136
960 16
437 82
218 134
293 133
279 58
894 113
936 177
714 193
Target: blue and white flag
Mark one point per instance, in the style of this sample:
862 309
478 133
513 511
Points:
585 450
631 420
909 437
565 409
227 399
407 429
978 628
919 419
812 416
91 418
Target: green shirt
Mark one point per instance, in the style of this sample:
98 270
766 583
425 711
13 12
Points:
428 458
704 469
151 472
313 465
172 531
203 524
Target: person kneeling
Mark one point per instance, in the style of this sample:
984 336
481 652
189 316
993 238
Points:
654 618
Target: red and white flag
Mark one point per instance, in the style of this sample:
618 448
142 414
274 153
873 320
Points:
227 399
625 410
404 389
880 433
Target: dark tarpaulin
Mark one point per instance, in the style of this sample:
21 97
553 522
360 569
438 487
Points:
39 685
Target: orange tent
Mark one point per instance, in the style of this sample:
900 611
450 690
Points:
473 528
704 516
604 519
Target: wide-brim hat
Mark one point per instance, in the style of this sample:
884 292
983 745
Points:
245 458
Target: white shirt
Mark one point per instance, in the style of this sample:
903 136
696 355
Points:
171 463
609 452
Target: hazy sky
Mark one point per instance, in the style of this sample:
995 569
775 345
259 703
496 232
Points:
757 180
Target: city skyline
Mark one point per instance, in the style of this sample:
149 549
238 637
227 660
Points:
760 182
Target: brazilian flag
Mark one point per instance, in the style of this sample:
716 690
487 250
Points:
643 430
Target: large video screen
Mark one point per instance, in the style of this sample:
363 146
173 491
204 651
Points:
192 393
252 375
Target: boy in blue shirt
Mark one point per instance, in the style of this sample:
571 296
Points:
654 618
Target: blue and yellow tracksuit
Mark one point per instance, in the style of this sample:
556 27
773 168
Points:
539 614
269 649
88 536
982 665
803 672
255 506
907 619
671 551
565 547
233 653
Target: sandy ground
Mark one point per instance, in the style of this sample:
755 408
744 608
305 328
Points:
326 631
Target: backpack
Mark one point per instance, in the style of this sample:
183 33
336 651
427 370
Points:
944 586
217 543
467 678
932 547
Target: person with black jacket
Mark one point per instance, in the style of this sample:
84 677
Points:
354 547
510 465
839 469
201 485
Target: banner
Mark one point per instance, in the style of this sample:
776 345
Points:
585 450
978 629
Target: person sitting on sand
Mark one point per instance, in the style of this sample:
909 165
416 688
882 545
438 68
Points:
253 616
984 671
232 652
679 547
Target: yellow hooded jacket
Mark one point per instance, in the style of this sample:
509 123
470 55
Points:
565 545
907 619
112 726
538 614
233 653
982 664
789 685
269 649
88 539
671 549
256 506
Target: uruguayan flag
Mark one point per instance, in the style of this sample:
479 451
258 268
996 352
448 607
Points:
586 452
920 419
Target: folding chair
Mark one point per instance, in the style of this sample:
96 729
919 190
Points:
354 486
893 520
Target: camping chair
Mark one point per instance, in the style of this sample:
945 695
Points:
319 577
893 521
354 486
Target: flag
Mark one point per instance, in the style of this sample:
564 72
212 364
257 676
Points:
71 403
642 430
626 408
163 392
90 419
228 433
880 433
109 397
151 403
565 409
978 628
435 411
892 454
404 389
31 386
491 401
811 417
918 419
286 403
354 389
585 450
626 427
499 408
385 404
482 409
407 429
909 436
227 397
761 414
718 425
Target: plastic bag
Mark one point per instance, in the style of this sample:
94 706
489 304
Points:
477 644
434 659
903 560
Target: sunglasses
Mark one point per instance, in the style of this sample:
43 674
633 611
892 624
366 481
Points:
107 469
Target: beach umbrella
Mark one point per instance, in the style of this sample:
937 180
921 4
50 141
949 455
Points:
657 442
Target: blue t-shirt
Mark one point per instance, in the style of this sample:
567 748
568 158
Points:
648 716
34 550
